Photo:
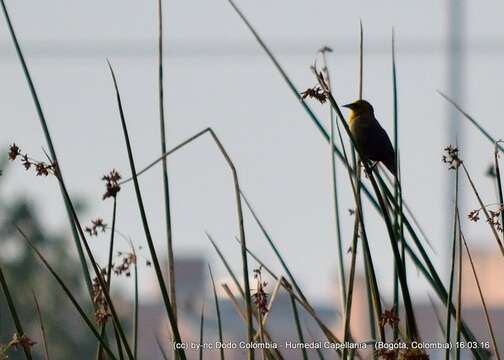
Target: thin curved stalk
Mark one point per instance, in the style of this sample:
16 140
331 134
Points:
150 243
238 207
42 327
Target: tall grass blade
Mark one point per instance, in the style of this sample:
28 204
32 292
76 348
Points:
498 181
273 246
13 311
299 328
452 267
166 188
487 316
261 263
348 310
160 347
458 318
202 325
312 338
438 316
226 265
361 59
373 298
135 312
472 120
397 195
109 283
217 310
341 263
42 328
50 145
150 243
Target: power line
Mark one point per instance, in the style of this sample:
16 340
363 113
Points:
66 49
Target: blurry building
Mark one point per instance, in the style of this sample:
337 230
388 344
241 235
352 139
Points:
488 265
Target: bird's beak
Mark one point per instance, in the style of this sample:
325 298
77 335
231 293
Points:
349 106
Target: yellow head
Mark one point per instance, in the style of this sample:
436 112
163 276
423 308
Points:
359 107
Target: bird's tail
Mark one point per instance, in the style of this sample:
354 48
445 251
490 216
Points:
391 165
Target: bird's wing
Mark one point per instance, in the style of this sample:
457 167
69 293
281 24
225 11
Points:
385 150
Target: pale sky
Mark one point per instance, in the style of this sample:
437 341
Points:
216 75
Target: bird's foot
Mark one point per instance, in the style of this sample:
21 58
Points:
371 168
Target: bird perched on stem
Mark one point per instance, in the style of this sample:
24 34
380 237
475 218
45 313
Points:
372 140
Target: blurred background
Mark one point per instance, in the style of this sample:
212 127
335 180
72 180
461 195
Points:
216 75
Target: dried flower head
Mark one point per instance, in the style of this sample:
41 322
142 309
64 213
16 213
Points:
111 184
474 215
41 168
99 300
14 152
493 216
315 92
95 225
413 354
387 354
260 297
22 341
26 162
101 315
127 259
389 317
452 157
325 49
491 172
